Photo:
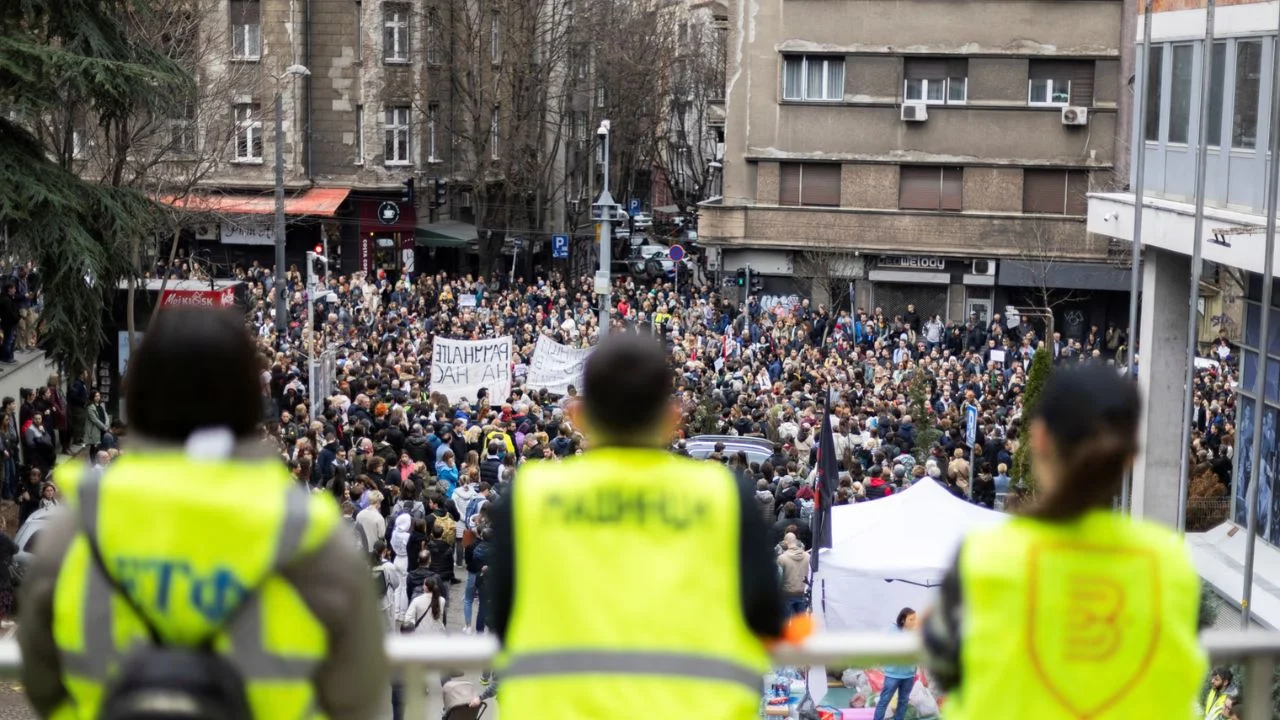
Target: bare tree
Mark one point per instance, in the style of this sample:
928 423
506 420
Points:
507 112
691 142
831 272
165 149
1035 250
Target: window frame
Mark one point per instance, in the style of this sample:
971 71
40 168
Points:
1188 54
1050 92
1068 178
248 129
1154 89
244 34
495 134
947 85
941 171
828 61
433 112
395 25
495 37
359 5
360 146
433 37
1236 135
396 128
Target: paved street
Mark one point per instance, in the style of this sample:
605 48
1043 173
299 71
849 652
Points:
13 704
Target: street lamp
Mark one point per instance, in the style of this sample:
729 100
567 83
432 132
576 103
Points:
282 305
603 211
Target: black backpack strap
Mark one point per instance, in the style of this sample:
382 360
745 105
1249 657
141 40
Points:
90 495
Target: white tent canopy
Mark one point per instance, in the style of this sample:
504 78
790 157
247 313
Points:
891 553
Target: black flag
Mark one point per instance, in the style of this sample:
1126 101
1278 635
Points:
825 492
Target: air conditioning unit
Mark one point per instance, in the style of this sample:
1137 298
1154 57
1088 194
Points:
984 267
914 112
206 232
464 199
1075 116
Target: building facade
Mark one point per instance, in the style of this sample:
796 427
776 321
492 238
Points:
1170 70
944 163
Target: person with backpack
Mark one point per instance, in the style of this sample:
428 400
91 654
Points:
387 578
477 557
296 631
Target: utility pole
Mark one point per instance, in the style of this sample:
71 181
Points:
282 304
604 216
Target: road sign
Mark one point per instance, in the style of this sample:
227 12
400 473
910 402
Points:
676 252
635 205
559 247
970 424
389 212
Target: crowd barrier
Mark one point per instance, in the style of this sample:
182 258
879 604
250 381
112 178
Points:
422 660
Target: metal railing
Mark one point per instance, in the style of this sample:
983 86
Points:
422 660
1258 651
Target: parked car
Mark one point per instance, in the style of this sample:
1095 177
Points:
757 449
651 261
641 221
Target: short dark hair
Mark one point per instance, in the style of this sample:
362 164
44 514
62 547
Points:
194 369
903 614
626 384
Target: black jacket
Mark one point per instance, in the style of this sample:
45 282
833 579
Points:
490 469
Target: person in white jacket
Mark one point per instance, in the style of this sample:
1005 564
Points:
400 542
462 496
390 578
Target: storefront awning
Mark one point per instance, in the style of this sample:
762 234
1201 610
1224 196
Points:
316 202
1080 276
445 234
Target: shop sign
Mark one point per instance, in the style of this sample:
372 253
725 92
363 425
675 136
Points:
912 262
247 234
223 298
366 254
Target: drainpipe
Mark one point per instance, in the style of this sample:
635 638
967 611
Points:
306 90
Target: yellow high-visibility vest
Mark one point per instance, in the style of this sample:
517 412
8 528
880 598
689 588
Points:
628 592
190 539
1094 618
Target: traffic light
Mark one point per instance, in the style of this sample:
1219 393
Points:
742 277
406 195
318 264
442 192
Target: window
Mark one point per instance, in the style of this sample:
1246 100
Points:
433 37
937 81
246 29
809 184
813 77
493 135
395 33
396 150
182 128
248 119
359 134
79 143
599 96
495 37
359 30
930 188
1180 94
1155 75
433 110
1216 90
1244 123
1054 192
1060 82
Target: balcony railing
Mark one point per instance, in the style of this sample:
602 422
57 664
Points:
422 660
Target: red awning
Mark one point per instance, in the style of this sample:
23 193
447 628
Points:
321 202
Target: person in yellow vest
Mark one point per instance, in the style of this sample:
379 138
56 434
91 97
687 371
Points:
629 582
194 573
1072 611
1215 701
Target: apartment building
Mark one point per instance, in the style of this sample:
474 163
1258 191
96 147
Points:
934 153
352 78
1237 137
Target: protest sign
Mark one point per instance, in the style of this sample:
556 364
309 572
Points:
555 367
459 368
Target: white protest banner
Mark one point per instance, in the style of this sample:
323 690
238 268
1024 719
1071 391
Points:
459 368
555 367
997 356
